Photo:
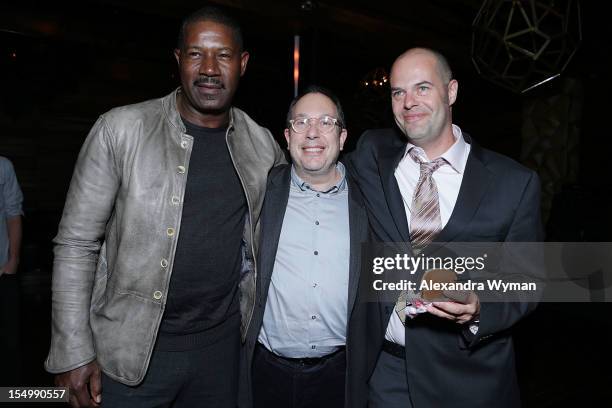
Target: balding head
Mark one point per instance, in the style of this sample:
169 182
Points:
422 93
442 66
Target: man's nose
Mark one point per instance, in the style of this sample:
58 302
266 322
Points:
313 130
409 100
209 66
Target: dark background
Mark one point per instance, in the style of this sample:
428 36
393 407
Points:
64 63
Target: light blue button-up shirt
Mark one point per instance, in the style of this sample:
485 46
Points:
306 309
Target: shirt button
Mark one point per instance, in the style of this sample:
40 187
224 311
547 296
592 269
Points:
316 252
314 285
184 144
316 222
157 295
170 232
180 169
313 347
164 263
318 195
175 200
313 317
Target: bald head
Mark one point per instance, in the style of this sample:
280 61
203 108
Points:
442 65
422 93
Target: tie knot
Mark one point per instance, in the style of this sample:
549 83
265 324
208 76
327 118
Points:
427 167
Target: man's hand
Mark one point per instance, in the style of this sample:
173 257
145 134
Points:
462 308
9 268
85 384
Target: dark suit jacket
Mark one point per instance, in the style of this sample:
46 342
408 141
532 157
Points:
498 202
275 204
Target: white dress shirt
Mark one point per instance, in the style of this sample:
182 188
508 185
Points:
448 181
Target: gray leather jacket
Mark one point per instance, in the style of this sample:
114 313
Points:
117 238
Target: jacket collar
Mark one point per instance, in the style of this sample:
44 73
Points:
174 117
476 179
389 158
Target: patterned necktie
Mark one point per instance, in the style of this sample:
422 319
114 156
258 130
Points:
425 220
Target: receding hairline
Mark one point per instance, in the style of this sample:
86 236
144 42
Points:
292 111
317 89
442 64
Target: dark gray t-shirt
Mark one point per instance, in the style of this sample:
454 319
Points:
203 293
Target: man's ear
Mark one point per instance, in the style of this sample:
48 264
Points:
287 137
453 88
177 55
244 59
343 135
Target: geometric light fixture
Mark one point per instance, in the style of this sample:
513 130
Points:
520 44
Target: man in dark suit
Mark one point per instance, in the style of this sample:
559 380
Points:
300 339
433 182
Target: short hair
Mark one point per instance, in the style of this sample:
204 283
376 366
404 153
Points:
215 14
443 66
311 89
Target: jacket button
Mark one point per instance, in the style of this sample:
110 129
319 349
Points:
180 169
184 144
175 200
170 232
157 295
164 263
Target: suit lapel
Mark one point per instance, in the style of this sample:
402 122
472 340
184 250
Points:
476 179
388 161
389 158
358 224
275 205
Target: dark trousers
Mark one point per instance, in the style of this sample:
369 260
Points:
206 378
388 384
281 383
10 355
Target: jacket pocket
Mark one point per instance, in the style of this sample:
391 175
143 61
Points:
100 280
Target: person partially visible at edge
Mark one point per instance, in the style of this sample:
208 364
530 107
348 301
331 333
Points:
11 212
154 274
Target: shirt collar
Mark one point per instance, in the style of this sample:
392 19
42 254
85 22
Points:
456 155
304 186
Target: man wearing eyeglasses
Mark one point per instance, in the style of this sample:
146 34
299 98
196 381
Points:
313 221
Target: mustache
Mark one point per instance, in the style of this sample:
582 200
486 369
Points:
208 81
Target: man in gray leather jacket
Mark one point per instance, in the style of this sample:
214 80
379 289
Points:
159 230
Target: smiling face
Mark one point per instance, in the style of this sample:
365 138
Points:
314 154
421 98
211 63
